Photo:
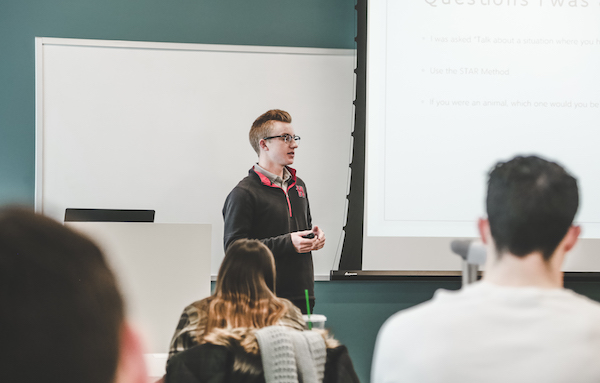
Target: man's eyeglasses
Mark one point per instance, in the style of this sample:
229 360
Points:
287 138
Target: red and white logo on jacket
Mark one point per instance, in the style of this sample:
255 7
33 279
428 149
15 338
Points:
300 191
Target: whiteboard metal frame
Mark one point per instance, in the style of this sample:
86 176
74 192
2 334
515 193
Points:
40 42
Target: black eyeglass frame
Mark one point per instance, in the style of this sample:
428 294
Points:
286 138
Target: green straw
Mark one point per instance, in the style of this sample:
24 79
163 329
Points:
308 309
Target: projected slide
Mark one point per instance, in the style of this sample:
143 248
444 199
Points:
456 85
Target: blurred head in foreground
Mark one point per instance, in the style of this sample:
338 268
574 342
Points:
61 311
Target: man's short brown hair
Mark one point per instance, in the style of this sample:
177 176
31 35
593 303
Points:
261 127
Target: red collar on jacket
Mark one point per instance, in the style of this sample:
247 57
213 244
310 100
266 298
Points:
267 182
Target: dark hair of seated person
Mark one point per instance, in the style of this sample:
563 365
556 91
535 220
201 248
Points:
531 203
61 312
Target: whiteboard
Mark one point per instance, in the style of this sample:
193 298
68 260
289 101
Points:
164 126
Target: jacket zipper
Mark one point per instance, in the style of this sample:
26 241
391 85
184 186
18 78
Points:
287 197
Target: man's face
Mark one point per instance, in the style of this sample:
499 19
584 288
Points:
280 152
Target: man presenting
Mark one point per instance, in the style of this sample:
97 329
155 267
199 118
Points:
271 205
518 324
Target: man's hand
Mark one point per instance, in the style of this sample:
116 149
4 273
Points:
320 237
304 245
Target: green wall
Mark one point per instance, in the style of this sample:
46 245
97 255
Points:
356 310
298 23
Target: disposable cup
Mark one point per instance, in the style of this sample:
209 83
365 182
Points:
318 321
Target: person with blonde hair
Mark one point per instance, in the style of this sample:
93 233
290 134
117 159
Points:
244 297
244 333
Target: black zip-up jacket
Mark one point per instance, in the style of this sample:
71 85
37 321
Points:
258 209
